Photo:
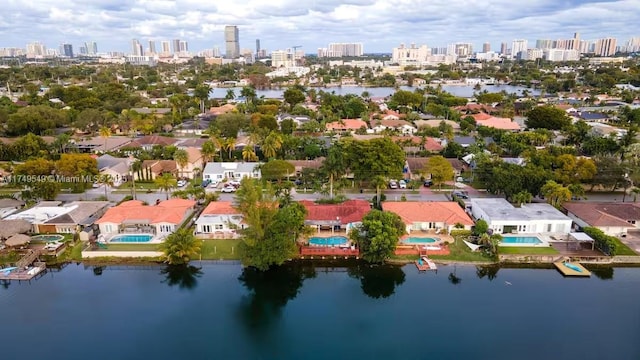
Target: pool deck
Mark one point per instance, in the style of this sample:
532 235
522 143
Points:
566 271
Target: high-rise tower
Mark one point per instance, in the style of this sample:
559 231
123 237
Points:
232 41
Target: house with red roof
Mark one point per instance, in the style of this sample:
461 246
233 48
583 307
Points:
338 217
487 120
429 215
134 217
219 220
346 126
613 218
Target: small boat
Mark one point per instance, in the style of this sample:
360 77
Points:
6 271
572 267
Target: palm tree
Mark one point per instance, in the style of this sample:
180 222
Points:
272 143
230 145
555 193
230 95
208 150
105 132
180 247
378 182
523 197
248 154
107 182
166 182
181 158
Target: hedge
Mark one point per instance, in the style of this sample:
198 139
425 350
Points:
605 243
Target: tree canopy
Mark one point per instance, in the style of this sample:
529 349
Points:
547 117
378 235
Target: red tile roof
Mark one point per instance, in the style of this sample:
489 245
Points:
346 124
448 212
220 208
170 211
605 214
349 211
495 122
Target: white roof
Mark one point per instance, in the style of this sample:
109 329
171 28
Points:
41 214
219 219
580 236
501 209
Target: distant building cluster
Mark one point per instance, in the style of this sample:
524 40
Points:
336 50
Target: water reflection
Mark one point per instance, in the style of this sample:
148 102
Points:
5 283
453 277
603 273
184 276
377 281
97 270
270 291
490 272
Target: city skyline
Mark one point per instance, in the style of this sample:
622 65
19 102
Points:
379 25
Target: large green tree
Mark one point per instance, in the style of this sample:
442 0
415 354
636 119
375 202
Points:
378 235
272 231
440 169
547 117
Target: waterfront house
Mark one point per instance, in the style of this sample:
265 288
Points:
504 218
613 218
335 217
219 220
429 215
134 216
52 217
218 171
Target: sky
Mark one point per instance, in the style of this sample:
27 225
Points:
279 24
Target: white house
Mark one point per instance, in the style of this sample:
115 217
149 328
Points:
402 126
219 171
219 220
613 218
504 218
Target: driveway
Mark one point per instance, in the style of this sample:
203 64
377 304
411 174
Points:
632 240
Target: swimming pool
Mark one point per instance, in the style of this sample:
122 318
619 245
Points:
131 238
419 240
333 240
48 238
526 240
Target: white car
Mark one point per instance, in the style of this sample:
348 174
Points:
393 184
228 189
402 184
234 183
182 183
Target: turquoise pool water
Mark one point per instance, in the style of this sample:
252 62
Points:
131 238
334 240
419 240
521 240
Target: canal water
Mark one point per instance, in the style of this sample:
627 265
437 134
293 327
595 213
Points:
220 311
457 90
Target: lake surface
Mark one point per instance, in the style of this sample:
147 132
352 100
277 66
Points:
304 312
457 90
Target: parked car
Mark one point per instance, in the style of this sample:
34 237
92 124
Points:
298 182
460 194
234 183
182 183
228 189
428 183
393 184
402 184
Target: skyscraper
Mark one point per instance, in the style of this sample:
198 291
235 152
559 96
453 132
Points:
36 49
91 47
606 47
503 48
166 47
136 48
544 44
184 46
486 47
176 46
66 50
257 46
232 41
519 48
152 46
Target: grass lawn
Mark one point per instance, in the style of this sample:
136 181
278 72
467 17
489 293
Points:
220 249
527 250
73 252
461 252
131 247
404 257
622 249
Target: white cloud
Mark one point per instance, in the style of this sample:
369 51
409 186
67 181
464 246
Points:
379 24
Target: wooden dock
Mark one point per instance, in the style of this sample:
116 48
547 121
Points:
425 264
25 273
568 271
